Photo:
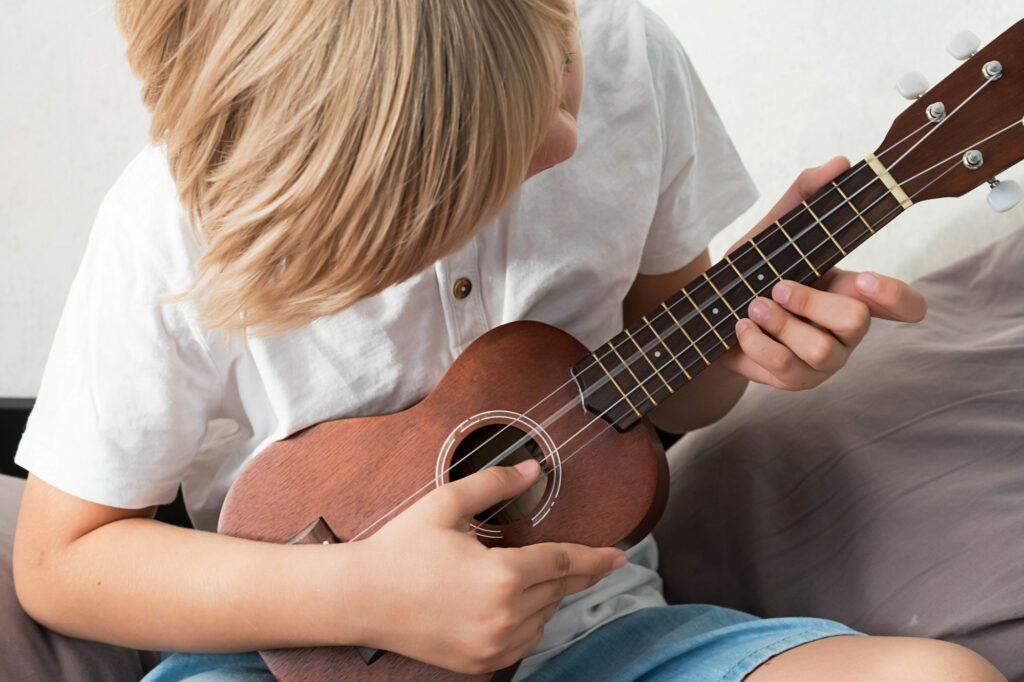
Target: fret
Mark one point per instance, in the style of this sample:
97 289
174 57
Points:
683 330
855 209
609 374
723 299
632 374
765 258
793 249
665 346
739 274
667 385
757 273
818 220
701 313
809 263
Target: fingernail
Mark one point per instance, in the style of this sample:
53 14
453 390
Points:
781 292
743 326
867 282
758 310
620 561
526 467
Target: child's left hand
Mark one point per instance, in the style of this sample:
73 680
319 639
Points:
802 335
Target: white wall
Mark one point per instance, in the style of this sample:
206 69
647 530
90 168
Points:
796 83
70 120
800 82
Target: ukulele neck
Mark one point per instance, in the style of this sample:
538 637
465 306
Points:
645 363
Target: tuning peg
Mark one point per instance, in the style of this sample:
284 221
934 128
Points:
912 85
1004 195
963 45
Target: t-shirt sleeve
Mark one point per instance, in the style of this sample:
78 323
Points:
129 385
704 185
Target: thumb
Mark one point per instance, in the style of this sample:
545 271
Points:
459 500
802 189
806 184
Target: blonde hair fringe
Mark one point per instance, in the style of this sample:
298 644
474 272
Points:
325 150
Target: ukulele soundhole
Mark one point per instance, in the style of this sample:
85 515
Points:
488 443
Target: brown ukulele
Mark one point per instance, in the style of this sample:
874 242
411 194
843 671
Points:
526 389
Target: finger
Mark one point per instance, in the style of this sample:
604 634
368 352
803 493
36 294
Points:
454 503
817 348
886 297
537 597
526 637
778 365
551 560
846 317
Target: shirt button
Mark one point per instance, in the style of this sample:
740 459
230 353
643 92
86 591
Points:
462 287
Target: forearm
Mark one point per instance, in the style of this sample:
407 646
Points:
148 585
702 401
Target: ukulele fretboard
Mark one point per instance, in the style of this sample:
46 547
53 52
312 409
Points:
650 360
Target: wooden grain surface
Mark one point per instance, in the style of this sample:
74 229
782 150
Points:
353 471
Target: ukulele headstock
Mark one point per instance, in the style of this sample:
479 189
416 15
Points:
966 129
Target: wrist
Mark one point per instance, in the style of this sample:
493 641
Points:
351 594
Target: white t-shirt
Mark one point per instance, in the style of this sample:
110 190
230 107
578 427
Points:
136 399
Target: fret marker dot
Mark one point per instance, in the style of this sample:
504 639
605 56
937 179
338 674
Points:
657 353
714 311
760 276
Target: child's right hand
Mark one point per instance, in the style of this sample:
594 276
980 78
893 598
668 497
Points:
436 594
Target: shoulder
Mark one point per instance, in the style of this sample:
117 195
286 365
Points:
141 226
621 26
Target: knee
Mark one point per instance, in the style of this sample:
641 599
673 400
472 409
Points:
911 659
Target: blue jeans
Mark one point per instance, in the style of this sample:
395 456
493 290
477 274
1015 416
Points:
695 642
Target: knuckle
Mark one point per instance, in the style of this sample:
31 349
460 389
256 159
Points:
819 352
447 496
858 318
799 298
493 648
502 624
781 362
477 665
504 580
783 324
806 181
500 475
563 561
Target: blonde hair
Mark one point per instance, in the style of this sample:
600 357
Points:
326 149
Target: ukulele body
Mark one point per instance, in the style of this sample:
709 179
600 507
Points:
602 486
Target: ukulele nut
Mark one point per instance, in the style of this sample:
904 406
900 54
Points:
974 159
936 112
992 70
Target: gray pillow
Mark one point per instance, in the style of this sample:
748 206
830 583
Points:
31 651
891 498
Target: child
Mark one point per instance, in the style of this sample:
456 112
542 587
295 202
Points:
337 192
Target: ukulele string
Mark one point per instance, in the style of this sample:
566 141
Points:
694 364
988 81
745 249
713 327
935 125
688 317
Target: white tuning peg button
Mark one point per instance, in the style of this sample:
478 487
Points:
912 85
1004 195
963 45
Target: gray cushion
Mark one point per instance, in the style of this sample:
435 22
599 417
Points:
891 498
31 651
